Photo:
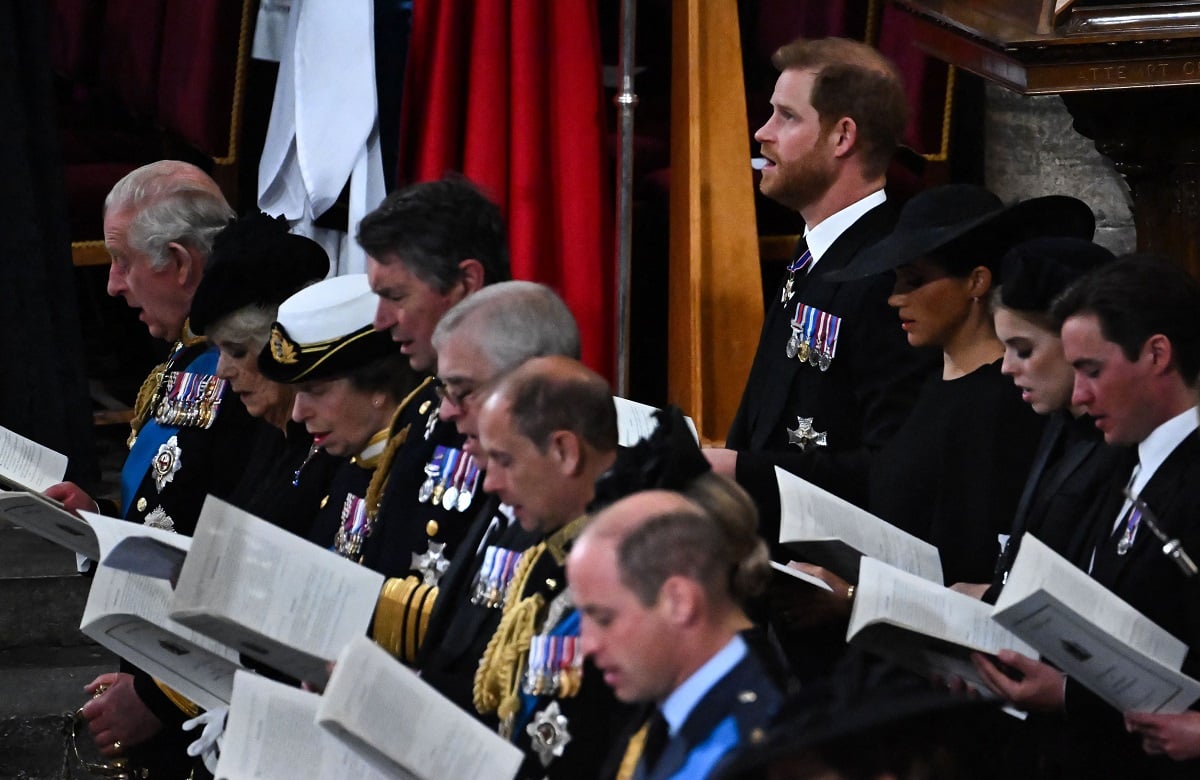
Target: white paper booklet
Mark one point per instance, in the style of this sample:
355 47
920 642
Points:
127 614
274 596
27 465
1092 635
924 626
272 734
46 518
394 718
797 576
635 421
824 529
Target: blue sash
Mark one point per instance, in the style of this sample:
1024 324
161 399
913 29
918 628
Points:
152 436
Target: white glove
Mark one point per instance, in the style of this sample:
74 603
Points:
208 746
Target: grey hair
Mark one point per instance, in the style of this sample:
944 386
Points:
249 325
513 322
172 201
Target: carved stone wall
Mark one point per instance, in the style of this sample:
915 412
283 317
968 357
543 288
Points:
1031 149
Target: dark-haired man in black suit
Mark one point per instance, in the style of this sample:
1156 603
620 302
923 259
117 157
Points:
1132 331
833 376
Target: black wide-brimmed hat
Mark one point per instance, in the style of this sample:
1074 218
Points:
1034 272
325 331
254 261
937 217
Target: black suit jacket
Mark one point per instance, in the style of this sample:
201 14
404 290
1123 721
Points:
859 402
1152 584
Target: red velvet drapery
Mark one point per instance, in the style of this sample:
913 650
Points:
508 92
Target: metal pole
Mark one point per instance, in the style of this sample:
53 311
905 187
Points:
626 100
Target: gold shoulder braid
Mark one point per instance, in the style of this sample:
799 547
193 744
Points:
185 705
384 467
498 678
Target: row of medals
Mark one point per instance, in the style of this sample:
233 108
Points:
555 666
813 342
491 585
192 400
451 479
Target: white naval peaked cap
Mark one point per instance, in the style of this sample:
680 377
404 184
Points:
329 309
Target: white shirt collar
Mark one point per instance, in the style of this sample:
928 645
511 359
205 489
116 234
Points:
822 236
684 699
1159 445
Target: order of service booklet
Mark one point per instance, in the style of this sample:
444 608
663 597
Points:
1092 635
821 528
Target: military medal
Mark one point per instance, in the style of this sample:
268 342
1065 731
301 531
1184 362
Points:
432 470
192 400
490 588
447 474
158 518
166 462
814 336
458 473
1125 543
804 436
354 528
432 563
795 267
548 734
467 494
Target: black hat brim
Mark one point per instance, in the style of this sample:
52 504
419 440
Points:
1050 215
288 362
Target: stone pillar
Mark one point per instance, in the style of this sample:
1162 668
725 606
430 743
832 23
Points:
1032 149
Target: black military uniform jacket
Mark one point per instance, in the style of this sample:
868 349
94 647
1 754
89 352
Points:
858 403
177 477
459 629
563 734
407 524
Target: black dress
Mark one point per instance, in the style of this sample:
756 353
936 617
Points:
953 473
284 481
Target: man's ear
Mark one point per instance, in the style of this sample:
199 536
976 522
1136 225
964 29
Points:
681 599
567 452
844 134
1161 353
471 275
186 264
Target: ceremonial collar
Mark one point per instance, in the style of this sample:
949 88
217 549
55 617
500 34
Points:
369 457
557 542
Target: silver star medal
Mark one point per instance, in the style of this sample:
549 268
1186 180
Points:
431 563
158 518
166 462
804 436
548 733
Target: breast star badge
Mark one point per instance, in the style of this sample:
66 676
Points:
804 436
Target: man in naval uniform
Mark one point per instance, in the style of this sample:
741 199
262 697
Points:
833 376
661 564
428 246
549 430
479 340
188 432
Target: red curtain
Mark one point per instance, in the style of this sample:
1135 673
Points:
508 92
